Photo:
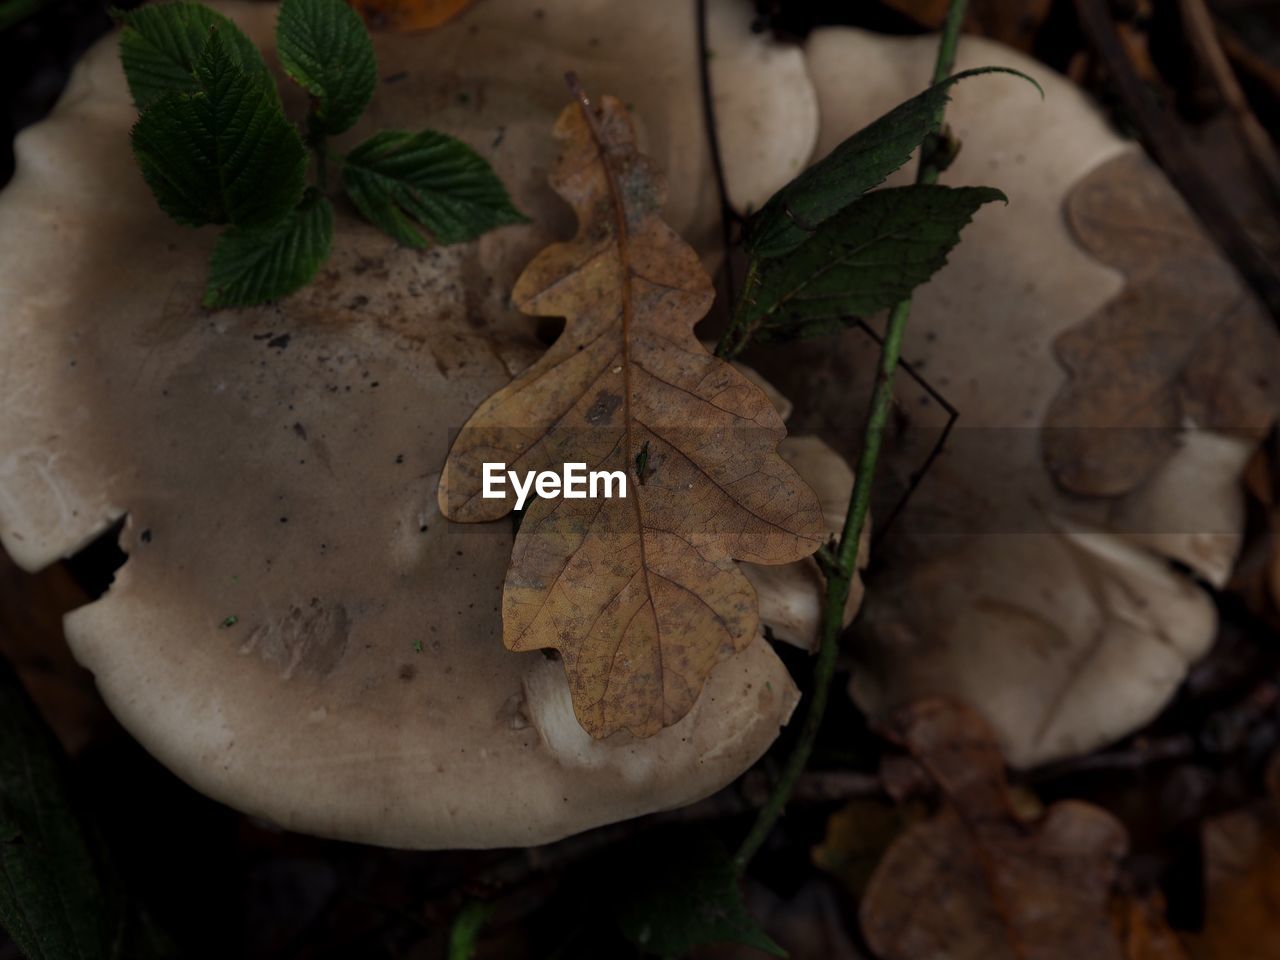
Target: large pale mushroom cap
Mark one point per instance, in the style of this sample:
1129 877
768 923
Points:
1056 615
297 631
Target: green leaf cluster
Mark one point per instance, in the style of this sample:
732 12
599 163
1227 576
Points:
824 250
215 146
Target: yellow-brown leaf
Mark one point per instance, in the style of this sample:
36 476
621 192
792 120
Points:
977 881
642 595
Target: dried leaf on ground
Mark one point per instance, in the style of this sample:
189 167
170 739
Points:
406 16
641 595
977 881
1185 340
1241 853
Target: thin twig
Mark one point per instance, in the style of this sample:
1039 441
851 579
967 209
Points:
717 166
839 565
1248 63
1256 141
917 476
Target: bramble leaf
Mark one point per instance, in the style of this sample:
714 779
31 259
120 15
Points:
395 178
252 265
324 47
162 43
856 165
225 152
864 259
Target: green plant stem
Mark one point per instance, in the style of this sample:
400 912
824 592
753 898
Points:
840 565
837 593
319 144
948 42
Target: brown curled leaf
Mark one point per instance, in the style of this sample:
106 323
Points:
982 880
1184 341
641 595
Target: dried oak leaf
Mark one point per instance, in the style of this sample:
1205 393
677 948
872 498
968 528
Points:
977 881
641 595
1184 340
407 16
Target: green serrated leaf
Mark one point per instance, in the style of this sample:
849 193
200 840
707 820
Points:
54 901
396 178
856 165
864 259
257 264
685 894
224 153
324 47
162 43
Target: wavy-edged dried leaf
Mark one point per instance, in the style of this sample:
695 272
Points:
640 594
1184 340
978 882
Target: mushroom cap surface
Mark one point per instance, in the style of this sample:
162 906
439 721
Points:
297 631
1057 616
